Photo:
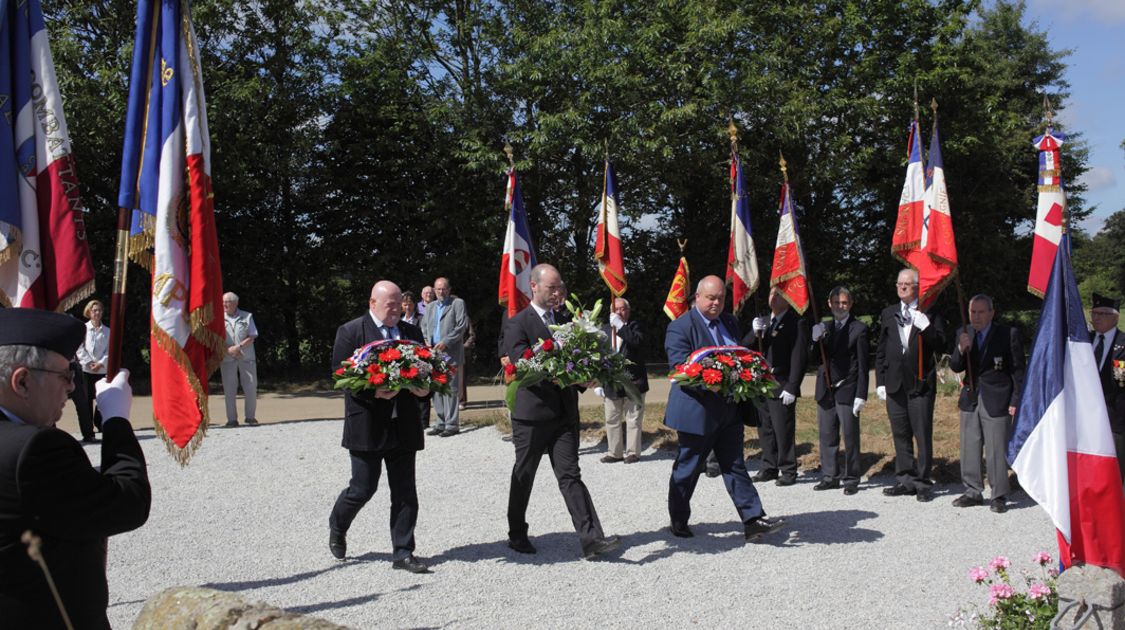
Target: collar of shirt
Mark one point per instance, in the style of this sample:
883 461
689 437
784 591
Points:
378 322
539 311
706 320
983 332
840 322
912 305
11 416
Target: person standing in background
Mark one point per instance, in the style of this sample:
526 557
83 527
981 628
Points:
239 363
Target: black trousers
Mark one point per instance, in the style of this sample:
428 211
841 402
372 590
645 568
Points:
912 424
559 440
83 399
366 467
777 433
831 422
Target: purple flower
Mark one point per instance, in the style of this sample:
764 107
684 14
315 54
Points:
1038 591
569 366
999 562
978 574
1043 558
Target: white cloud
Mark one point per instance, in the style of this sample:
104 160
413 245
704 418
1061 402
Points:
1105 11
1099 178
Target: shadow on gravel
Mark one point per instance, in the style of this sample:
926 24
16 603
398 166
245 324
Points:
345 603
830 527
298 577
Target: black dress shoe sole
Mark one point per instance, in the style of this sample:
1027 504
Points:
899 491
998 508
602 546
850 490
413 567
785 481
963 502
759 530
338 548
521 546
681 531
825 486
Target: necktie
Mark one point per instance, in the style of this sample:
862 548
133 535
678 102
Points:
548 318
905 315
1099 350
389 332
713 326
980 340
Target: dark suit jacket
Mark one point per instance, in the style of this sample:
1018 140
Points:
695 410
999 388
786 349
47 485
898 371
544 401
848 360
632 347
368 421
1113 389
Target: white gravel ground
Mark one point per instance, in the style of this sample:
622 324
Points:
249 515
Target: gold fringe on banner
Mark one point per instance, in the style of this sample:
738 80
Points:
70 301
141 245
169 345
200 320
1050 188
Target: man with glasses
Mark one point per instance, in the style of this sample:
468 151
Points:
47 485
906 378
545 420
1109 353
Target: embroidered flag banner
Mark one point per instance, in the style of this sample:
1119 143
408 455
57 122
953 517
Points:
607 246
742 260
788 272
676 303
1050 212
518 257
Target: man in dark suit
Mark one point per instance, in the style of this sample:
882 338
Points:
906 378
384 428
1109 352
706 422
622 414
785 342
545 420
840 399
993 355
47 485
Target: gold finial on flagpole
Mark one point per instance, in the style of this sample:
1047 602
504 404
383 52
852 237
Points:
1047 109
682 242
933 107
784 166
732 130
509 151
916 100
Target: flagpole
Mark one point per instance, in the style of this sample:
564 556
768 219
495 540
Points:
117 298
808 283
1050 115
612 297
917 124
732 130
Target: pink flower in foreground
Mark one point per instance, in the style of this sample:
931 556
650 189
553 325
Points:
999 562
998 592
978 574
1043 558
1038 591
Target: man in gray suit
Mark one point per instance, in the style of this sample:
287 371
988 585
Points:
444 325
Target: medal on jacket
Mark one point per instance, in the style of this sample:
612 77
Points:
998 363
1119 372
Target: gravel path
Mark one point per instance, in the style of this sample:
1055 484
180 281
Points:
250 516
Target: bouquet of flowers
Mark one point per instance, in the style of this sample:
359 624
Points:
732 371
394 364
1010 606
580 352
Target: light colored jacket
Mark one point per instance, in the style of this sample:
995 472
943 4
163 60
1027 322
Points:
240 326
95 348
451 329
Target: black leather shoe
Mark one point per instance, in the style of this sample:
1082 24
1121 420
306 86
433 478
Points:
967 501
610 459
713 471
600 546
435 431
924 495
411 564
337 544
89 440
251 422
786 480
999 505
898 490
681 530
522 545
449 433
759 527
851 489
827 484
764 475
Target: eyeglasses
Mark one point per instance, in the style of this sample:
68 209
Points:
906 285
65 375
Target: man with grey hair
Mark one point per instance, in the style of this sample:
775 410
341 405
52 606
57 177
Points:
47 485
623 416
444 325
239 362
992 356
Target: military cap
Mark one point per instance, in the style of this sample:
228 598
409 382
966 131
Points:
57 332
1101 301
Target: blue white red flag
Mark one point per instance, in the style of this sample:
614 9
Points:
1061 446
1050 212
607 244
518 257
166 180
44 257
938 242
788 272
742 259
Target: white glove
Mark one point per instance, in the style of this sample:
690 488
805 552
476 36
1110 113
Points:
616 321
600 391
921 322
115 398
761 324
818 331
787 398
857 406
881 392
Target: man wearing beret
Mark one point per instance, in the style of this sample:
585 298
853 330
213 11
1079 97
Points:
47 484
1109 353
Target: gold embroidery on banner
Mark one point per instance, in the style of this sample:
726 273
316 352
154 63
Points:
166 73
1049 188
162 292
182 455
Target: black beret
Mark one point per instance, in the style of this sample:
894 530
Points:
53 331
1101 301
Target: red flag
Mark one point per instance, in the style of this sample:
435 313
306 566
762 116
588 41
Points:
171 182
676 303
44 257
1049 215
788 272
607 247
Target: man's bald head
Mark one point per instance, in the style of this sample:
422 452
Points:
386 302
710 295
548 291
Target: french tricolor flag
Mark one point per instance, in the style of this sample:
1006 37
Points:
1061 446
518 258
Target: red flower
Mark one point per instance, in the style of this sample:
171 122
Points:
340 372
390 354
409 373
527 354
509 370
548 345
422 353
693 370
712 377
374 369
724 359
377 378
439 377
746 375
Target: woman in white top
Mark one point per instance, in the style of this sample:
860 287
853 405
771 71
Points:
94 352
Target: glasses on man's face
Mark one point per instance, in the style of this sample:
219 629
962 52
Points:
65 375
906 285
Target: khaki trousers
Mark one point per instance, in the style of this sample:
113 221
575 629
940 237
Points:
625 409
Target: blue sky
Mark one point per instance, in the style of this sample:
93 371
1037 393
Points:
1094 30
